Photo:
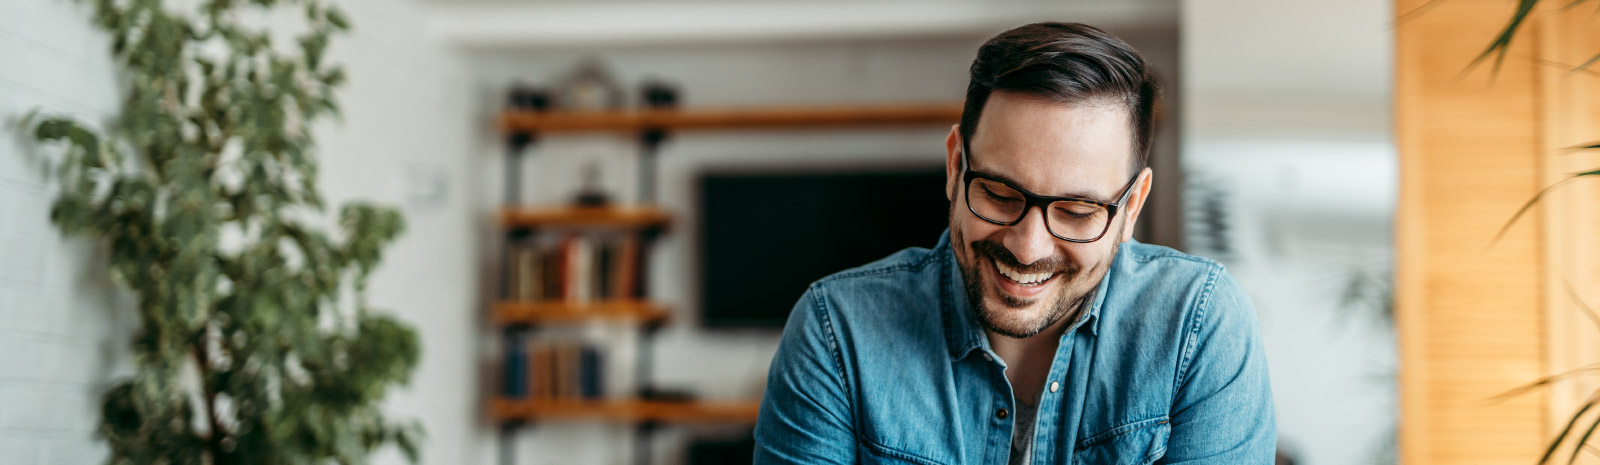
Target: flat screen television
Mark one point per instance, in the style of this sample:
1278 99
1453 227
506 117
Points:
765 236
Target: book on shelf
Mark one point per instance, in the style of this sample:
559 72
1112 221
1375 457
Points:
574 267
515 376
553 371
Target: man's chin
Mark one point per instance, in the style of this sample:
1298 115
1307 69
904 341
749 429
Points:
1014 318
1012 302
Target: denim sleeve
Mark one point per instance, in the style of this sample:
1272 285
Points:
1222 412
805 415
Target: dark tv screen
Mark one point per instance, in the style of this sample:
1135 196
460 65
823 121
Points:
764 237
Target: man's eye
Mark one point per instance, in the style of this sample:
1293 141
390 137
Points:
1078 211
998 197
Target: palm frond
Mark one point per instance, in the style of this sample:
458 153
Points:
1525 207
1583 66
1519 390
1583 441
1570 5
1502 43
1556 443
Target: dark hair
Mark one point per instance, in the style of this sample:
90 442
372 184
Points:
1069 63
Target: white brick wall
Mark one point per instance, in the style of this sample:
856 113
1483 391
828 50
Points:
62 337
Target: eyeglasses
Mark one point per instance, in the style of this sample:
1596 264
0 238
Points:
1069 219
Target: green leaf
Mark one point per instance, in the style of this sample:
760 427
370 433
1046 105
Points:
1583 440
1502 43
1536 197
1519 390
337 18
1586 63
333 77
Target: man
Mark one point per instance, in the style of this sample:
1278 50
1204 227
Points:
1036 331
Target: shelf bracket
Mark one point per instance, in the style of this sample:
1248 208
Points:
650 140
516 150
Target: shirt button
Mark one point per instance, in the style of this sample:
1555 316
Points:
987 357
1001 414
1055 386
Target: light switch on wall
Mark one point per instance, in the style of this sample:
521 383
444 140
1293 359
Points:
423 187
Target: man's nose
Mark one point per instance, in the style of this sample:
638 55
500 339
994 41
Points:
1029 240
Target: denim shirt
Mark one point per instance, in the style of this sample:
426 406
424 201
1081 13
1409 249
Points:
886 363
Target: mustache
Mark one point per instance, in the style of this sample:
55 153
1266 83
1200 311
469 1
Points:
998 253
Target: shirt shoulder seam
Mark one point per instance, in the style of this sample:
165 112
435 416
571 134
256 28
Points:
824 316
915 264
1146 257
1195 320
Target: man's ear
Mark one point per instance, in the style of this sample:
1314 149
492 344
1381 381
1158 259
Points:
1141 191
952 162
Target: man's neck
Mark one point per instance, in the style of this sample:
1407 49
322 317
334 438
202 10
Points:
1028 359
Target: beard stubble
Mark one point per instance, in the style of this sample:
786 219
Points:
1009 321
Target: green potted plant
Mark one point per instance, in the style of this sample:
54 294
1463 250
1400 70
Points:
255 344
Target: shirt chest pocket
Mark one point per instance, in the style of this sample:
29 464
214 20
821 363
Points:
1139 442
869 452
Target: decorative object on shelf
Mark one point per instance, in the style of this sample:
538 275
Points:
525 97
590 194
249 350
657 94
590 87
659 394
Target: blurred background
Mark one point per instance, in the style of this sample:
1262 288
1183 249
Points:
629 335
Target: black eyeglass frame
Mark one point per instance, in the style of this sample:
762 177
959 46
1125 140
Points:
1043 202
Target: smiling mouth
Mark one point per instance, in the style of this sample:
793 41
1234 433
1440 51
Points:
1022 279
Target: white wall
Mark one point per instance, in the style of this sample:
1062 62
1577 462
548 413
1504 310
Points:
405 140
1287 108
61 338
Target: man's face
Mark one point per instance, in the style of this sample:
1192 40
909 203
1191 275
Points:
1049 149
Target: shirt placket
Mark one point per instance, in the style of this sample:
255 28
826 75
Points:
997 447
1047 420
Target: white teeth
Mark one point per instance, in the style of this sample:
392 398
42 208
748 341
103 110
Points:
1026 279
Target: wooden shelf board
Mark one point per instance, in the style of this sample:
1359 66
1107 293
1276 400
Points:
502 409
609 217
534 312
734 118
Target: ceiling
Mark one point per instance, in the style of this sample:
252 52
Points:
476 24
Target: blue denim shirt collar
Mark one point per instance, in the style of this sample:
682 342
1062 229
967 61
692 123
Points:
962 332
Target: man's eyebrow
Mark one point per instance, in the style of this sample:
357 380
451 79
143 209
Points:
1075 195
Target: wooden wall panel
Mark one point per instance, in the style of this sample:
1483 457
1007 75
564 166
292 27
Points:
1569 111
1470 317
1475 321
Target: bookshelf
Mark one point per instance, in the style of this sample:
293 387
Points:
857 116
515 313
628 217
512 312
626 410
